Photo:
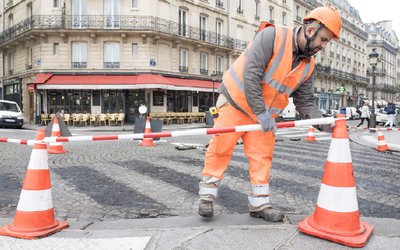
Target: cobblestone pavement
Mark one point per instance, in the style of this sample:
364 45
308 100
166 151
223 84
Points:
119 179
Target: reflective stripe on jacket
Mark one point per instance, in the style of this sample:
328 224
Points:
278 80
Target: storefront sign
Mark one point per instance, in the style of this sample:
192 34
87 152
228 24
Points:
11 81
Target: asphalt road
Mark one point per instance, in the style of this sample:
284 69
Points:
119 179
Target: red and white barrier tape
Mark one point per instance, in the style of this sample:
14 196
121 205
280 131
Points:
388 129
201 131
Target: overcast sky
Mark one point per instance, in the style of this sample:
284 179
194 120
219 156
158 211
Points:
378 10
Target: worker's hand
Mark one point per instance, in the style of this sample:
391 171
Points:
267 122
326 128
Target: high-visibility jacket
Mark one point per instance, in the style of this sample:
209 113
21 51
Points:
279 79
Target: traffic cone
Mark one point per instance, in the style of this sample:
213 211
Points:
382 146
56 147
34 217
310 134
336 216
40 135
147 141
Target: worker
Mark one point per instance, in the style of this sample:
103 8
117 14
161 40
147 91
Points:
278 63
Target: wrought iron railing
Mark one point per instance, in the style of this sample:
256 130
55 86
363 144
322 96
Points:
111 65
129 23
184 69
79 65
204 71
326 70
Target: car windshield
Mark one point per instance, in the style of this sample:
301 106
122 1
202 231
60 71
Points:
5 106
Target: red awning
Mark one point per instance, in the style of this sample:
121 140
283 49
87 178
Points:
49 81
42 78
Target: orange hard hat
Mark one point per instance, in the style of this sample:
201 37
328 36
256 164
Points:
327 16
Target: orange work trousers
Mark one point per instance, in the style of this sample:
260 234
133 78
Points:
258 147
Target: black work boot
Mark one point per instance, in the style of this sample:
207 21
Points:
268 214
206 208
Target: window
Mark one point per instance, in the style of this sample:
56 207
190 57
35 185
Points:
203 63
271 14
111 55
55 48
218 29
10 63
79 55
158 98
182 22
79 14
112 14
218 66
56 3
203 28
239 7
135 3
30 58
183 60
135 49
284 18
257 15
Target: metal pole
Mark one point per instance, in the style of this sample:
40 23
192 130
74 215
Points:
373 116
213 93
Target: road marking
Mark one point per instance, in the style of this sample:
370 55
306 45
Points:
136 243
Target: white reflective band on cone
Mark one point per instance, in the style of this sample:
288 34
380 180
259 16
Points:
56 127
339 151
256 201
35 200
208 191
39 159
260 189
338 199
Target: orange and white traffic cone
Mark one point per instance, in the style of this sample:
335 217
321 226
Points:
310 134
147 129
336 217
40 135
34 217
382 146
56 147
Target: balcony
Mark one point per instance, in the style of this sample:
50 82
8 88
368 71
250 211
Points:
204 72
328 71
96 23
79 65
183 69
111 65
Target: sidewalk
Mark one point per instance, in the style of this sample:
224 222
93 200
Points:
366 138
221 232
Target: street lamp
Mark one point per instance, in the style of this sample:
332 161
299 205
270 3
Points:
373 60
214 79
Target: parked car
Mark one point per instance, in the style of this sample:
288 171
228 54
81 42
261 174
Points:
381 116
10 114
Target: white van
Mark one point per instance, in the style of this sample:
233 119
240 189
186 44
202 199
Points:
10 114
351 113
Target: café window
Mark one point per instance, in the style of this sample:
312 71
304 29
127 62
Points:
158 98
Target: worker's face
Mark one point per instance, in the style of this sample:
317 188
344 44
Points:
320 41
